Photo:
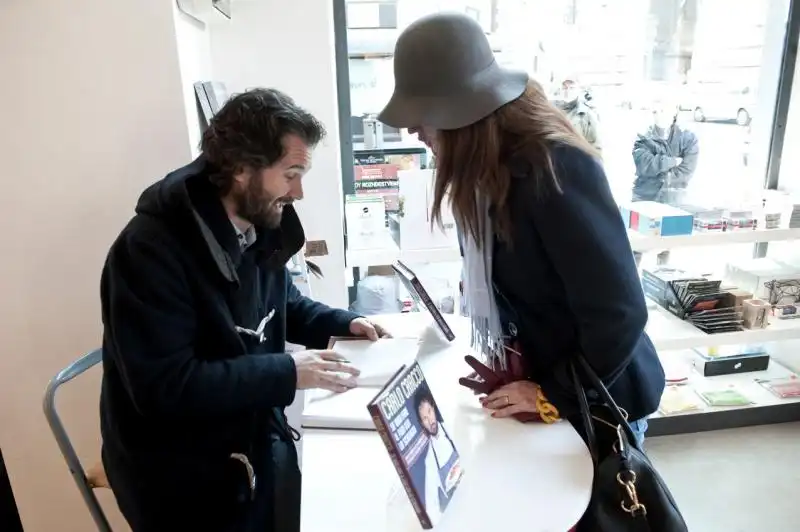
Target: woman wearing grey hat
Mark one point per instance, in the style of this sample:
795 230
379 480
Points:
548 269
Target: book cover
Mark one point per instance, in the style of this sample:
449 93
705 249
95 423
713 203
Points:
418 292
415 435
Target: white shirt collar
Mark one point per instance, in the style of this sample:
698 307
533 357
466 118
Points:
246 238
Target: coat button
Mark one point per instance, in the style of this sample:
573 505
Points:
512 329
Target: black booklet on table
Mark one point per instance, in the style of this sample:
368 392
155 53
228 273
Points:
418 292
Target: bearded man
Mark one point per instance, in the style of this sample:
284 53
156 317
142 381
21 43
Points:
197 306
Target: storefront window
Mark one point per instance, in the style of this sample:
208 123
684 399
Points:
695 80
636 63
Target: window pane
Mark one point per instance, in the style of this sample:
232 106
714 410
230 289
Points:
681 93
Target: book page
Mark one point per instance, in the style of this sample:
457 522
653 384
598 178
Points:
377 361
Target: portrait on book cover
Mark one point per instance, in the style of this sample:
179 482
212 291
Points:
436 472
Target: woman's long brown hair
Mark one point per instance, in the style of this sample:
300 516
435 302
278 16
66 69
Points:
477 157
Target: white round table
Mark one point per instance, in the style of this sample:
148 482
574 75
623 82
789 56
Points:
517 477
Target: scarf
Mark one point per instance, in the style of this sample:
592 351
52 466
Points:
479 294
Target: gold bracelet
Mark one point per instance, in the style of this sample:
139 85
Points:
547 410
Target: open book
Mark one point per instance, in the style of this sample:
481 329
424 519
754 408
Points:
378 361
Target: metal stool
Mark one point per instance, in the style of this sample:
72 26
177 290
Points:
74 464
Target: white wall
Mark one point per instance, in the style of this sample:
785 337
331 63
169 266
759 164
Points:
289 46
194 53
93 113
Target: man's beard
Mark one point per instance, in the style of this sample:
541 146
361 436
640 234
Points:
433 430
258 207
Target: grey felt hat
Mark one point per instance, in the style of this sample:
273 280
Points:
446 76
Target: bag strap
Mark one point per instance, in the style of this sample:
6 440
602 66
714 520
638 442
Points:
600 388
586 414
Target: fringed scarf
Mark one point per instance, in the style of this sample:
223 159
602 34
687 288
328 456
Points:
479 293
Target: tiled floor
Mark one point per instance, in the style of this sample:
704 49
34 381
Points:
740 480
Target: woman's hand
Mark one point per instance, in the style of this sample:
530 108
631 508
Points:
518 397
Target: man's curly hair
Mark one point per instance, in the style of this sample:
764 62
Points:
248 133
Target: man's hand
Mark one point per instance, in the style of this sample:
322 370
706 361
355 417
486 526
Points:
324 369
364 327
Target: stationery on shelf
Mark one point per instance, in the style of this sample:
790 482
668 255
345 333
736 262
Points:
700 300
679 399
725 397
782 388
418 292
416 438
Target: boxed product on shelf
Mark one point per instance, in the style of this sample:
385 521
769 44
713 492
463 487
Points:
705 219
730 360
658 219
656 282
365 218
772 220
709 225
738 297
754 274
736 220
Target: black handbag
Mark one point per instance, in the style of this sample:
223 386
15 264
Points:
628 494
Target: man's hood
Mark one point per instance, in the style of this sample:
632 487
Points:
187 201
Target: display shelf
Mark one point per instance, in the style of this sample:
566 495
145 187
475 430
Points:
387 252
765 408
640 242
668 332
348 410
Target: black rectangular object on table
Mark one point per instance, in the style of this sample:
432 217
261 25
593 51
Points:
418 292
732 365
731 360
